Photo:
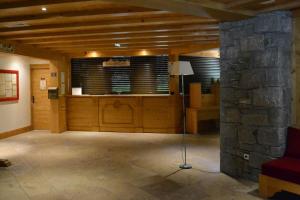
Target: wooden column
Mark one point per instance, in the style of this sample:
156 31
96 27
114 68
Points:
296 72
174 80
58 106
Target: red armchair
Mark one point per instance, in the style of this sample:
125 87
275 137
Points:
283 174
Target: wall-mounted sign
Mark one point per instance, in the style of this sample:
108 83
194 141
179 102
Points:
9 85
116 63
43 84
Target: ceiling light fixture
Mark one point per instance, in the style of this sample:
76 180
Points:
44 9
117 45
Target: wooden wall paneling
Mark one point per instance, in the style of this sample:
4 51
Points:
62 113
161 114
195 95
82 113
176 114
208 100
296 72
58 109
119 113
156 114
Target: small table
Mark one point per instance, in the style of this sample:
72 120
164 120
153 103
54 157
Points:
193 115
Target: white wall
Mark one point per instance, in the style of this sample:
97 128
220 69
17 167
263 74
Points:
14 115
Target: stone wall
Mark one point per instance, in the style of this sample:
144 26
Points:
255 91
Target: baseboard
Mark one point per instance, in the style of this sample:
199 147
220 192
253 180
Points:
15 132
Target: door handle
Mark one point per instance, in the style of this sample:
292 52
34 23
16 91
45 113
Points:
32 99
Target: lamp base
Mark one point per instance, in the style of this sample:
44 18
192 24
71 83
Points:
185 166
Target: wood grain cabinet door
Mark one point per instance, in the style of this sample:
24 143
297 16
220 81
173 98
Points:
119 112
156 113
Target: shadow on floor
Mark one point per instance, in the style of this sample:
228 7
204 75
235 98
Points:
285 196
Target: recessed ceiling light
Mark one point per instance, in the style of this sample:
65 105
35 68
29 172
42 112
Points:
117 45
44 9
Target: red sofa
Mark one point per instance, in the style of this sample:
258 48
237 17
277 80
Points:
283 174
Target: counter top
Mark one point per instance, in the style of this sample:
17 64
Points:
123 95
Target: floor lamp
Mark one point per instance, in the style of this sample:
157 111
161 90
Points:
182 68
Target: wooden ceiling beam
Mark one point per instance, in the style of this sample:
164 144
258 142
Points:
203 8
146 44
123 22
32 3
122 37
128 42
113 12
285 6
177 6
194 48
135 52
145 47
114 31
181 49
235 4
221 7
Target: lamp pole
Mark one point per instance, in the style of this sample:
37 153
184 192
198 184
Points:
184 165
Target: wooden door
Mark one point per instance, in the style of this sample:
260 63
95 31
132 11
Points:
40 104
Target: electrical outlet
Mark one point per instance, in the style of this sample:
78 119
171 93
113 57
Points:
246 156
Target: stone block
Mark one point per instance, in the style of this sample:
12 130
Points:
255 119
267 58
257 159
279 117
251 79
228 164
275 78
246 147
272 136
252 43
268 97
228 95
284 60
277 152
227 38
247 135
278 40
230 115
229 145
229 79
231 52
229 130
273 22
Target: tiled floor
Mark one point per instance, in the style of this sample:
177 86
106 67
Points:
101 166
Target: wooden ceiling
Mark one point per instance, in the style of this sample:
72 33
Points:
75 27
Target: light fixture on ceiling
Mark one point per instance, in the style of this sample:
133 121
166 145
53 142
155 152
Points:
44 9
118 45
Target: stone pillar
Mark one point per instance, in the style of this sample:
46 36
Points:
255 91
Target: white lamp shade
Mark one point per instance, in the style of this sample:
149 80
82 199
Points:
180 68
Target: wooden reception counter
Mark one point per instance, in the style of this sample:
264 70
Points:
124 113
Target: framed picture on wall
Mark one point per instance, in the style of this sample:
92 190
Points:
9 85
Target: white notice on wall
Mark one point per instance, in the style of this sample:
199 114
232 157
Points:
43 84
62 83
